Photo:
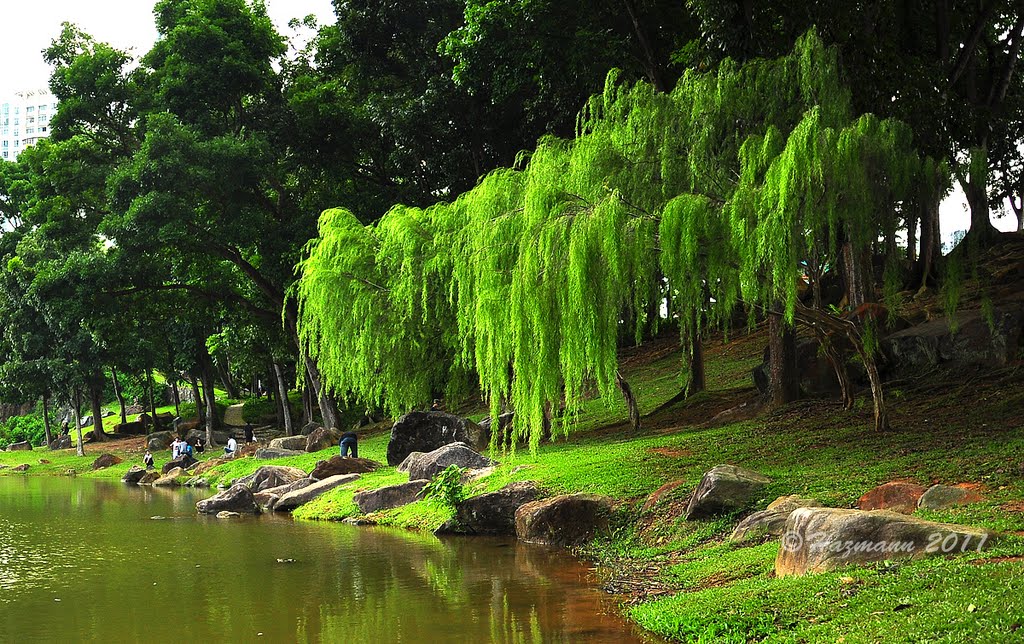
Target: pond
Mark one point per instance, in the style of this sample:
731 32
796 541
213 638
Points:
84 560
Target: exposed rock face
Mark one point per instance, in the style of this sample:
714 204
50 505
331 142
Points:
309 428
771 521
942 497
159 441
321 438
425 431
268 453
822 539
227 514
197 481
294 499
408 461
337 465
23 446
133 475
170 478
294 443
391 496
494 512
270 476
265 500
563 520
106 460
184 462
897 496
433 463
20 468
724 488
237 498
933 344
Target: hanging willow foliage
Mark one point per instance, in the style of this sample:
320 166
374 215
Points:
723 186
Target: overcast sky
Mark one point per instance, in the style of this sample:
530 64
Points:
27 27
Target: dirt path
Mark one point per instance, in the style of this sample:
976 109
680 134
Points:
233 416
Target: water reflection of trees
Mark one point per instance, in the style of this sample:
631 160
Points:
199 578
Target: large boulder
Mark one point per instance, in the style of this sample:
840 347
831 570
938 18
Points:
408 461
433 463
770 522
390 496
823 539
184 462
943 497
337 465
494 512
171 478
133 475
897 496
425 431
237 498
23 446
149 478
269 453
269 476
725 488
133 428
322 438
267 499
294 499
159 441
61 442
86 421
975 342
205 466
816 376
564 520
309 428
294 443
106 460
193 436
20 468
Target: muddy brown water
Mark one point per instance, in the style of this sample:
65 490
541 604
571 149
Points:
84 560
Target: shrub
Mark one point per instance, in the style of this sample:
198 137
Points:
447 487
22 428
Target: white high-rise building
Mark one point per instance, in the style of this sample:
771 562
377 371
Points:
24 119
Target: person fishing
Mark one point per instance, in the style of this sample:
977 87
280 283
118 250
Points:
148 460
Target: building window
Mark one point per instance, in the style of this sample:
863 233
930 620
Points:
42 129
30 108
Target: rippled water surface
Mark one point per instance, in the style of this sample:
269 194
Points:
84 560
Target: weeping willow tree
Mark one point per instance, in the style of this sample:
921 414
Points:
723 189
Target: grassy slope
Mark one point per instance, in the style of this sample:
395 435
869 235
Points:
685 582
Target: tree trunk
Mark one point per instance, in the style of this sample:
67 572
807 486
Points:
931 244
225 377
838 362
149 394
177 399
327 410
307 399
858 279
282 389
783 380
46 419
698 379
627 394
198 399
119 394
211 410
77 413
877 392
912 239
96 405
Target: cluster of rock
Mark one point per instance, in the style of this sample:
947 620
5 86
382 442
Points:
816 539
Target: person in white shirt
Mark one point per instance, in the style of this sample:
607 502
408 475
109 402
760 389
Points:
232 445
